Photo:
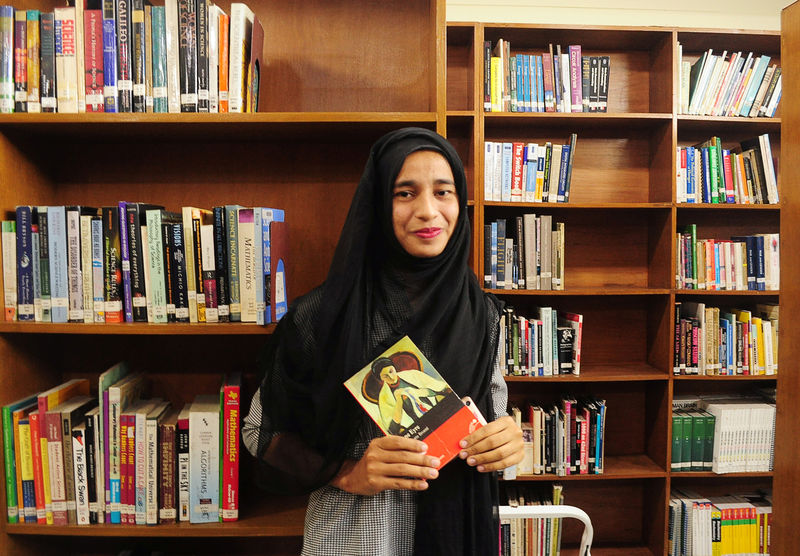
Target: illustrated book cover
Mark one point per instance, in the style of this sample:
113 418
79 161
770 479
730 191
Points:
405 395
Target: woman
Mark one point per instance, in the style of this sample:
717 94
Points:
400 268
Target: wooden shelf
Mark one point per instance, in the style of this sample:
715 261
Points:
599 291
137 328
712 378
601 373
581 206
617 467
732 293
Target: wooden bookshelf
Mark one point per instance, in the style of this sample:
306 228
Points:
619 257
330 89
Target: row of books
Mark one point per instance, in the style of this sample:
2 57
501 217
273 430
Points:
119 56
726 342
534 536
710 173
545 344
553 81
729 85
137 262
749 262
567 438
692 440
743 436
730 525
525 253
528 172
114 457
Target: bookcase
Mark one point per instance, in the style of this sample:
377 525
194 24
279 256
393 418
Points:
620 252
330 89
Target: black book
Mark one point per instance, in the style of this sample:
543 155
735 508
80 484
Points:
112 264
177 270
124 65
566 340
605 68
203 76
47 65
44 263
90 436
136 217
187 54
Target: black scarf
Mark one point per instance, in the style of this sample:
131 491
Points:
303 392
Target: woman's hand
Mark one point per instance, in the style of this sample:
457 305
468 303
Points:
494 446
390 462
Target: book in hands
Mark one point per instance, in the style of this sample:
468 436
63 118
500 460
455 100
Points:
405 395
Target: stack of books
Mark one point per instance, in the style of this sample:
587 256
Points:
137 262
729 85
118 56
553 81
528 172
116 457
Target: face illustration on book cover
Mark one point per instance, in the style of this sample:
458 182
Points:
404 394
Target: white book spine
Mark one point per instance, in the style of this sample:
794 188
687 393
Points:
74 274
98 294
173 76
81 478
140 441
204 462
247 254
151 488
86 268
241 28
66 60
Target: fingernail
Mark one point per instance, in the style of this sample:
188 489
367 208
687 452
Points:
432 473
423 448
471 461
423 485
480 468
463 454
463 443
434 462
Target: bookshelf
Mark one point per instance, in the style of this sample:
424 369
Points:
330 90
620 223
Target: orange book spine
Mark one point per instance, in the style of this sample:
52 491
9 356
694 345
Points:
224 60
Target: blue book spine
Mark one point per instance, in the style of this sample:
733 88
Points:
520 91
532 157
690 184
109 57
98 291
24 264
539 84
57 237
526 79
508 149
717 269
709 189
562 174
494 255
124 242
268 216
758 74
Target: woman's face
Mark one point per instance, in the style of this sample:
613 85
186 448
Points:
389 374
424 204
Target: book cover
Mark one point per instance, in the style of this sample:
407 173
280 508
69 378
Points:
230 407
6 59
253 88
204 473
405 395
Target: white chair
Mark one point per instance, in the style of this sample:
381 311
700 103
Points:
556 511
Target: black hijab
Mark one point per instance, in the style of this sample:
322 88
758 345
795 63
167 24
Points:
303 392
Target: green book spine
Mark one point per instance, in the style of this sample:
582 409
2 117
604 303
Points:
686 447
159 60
713 173
698 440
708 451
693 233
10 467
156 262
677 442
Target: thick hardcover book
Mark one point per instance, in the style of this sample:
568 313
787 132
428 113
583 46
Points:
47 62
110 91
203 80
66 60
241 23
405 395
221 264
167 493
187 48
124 55
57 237
93 56
139 56
159 33
25 262
231 407
204 473
20 61
6 59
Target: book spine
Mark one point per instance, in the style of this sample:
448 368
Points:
57 248
124 55
6 59
139 498
34 45
229 498
37 280
575 73
241 29
169 276
209 272
20 61
232 225
204 466
160 87
135 289
112 254
202 43
167 512
151 472
55 454
110 91
66 60
87 273
79 464
93 57
38 469
25 475
74 275
125 257
24 254
178 271
91 443
182 450
98 287
157 293
187 45
114 456
139 57
148 53
221 264
197 267
246 264
223 49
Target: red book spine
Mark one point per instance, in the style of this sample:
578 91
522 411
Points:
131 475
123 468
231 408
93 56
38 476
